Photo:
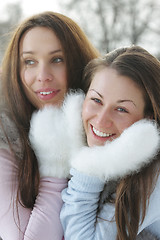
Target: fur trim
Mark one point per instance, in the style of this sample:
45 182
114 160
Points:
125 155
50 142
72 109
55 134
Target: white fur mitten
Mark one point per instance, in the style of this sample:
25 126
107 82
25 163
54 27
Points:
72 108
51 136
135 148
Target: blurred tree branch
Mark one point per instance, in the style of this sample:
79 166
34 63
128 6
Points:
112 23
13 13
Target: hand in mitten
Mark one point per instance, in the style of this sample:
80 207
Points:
72 108
135 148
51 138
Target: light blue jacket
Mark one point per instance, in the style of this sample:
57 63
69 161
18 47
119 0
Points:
79 212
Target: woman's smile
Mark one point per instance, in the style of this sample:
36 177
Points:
112 104
47 94
43 67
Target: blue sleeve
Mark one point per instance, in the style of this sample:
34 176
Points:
79 212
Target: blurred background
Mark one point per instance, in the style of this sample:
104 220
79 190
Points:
107 23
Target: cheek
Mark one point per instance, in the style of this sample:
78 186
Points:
27 82
88 113
24 77
64 82
60 74
27 76
85 114
122 125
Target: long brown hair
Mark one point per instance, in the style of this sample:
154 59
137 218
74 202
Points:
78 51
133 191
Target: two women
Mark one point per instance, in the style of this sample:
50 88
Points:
114 188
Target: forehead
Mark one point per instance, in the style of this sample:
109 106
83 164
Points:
108 82
38 36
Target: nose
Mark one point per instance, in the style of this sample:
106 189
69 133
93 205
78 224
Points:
104 118
44 74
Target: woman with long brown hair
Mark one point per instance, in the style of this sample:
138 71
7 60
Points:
46 55
111 194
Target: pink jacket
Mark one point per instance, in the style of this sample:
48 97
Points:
43 221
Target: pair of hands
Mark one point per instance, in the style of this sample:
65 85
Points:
58 139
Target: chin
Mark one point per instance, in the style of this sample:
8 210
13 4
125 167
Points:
95 143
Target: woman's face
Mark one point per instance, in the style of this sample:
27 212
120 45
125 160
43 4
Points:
112 104
43 67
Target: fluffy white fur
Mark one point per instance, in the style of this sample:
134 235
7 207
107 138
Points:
72 109
127 154
49 141
55 134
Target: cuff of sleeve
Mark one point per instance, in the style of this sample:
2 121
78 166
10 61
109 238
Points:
86 183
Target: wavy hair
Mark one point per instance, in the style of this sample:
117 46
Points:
78 51
133 192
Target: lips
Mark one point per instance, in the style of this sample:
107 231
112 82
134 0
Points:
47 94
102 134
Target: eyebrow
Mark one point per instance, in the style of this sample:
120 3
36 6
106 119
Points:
96 92
126 100
119 101
32 52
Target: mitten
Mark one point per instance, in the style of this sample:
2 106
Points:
50 141
135 148
72 108
52 138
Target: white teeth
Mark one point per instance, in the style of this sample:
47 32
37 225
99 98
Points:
46 93
101 134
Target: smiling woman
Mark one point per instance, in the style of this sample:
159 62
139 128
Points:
112 104
43 69
46 55
114 190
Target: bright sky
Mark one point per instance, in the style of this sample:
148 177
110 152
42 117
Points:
30 7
